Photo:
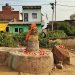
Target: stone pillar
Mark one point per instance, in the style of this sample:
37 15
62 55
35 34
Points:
33 43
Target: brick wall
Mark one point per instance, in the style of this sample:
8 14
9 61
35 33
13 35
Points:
7 14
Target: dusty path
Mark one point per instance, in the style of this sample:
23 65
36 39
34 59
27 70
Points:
67 70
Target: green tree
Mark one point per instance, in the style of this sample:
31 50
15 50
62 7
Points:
72 17
68 29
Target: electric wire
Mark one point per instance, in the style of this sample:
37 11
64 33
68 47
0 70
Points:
42 5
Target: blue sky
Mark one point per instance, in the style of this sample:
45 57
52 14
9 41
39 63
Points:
63 12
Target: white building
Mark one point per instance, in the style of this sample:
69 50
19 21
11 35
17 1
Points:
31 14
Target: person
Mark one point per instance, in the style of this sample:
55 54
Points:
44 33
32 31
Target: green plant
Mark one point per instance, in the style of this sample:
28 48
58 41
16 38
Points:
46 43
56 34
67 28
20 38
54 42
7 40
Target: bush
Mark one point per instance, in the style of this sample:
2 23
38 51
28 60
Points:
46 43
20 38
68 29
43 42
56 34
54 42
7 40
11 40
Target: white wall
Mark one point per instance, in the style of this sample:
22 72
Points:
30 11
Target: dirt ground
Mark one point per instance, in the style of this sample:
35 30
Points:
67 70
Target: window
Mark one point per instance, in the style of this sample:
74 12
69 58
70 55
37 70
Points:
20 30
25 17
16 29
34 15
7 29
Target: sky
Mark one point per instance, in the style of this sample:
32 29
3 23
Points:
62 13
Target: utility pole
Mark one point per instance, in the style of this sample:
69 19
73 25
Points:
52 6
55 10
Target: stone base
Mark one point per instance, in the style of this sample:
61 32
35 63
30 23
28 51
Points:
31 64
3 57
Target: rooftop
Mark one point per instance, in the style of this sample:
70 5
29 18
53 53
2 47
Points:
31 7
23 22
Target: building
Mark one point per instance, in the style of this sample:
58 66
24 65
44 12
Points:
8 14
3 26
57 24
20 27
29 14
17 27
71 22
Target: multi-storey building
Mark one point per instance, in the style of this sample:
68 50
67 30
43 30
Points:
29 14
